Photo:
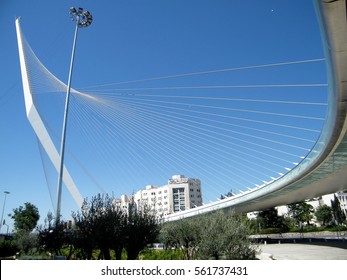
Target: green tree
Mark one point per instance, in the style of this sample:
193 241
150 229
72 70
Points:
104 226
117 220
54 235
269 218
324 214
219 235
301 212
142 228
25 218
84 234
8 248
224 235
183 235
94 229
26 241
110 230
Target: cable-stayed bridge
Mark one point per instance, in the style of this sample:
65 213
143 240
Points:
270 151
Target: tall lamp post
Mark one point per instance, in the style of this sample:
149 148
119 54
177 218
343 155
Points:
3 209
82 19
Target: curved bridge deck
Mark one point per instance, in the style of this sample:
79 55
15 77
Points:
324 170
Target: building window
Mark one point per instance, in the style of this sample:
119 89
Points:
179 199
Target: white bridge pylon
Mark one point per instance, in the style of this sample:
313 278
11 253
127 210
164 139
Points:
38 125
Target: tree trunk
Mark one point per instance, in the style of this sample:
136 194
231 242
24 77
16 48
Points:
118 252
132 254
106 253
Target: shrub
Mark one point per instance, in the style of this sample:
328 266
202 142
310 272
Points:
151 254
8 248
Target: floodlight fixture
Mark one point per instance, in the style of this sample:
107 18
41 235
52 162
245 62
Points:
83 19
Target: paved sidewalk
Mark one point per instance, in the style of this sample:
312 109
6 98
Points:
301 252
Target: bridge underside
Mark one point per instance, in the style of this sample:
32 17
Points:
328 173
324 170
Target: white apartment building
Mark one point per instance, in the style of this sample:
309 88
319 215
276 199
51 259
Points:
342 196
179 194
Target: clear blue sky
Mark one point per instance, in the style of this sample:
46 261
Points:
132 40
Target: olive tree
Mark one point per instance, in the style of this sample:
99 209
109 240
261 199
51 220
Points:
220 235
224 235
141 229
103 225
94 226
183 235
55 235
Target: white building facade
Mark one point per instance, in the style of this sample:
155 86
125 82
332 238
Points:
179 194
342 196
316 203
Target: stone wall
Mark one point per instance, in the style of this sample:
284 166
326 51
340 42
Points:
318 234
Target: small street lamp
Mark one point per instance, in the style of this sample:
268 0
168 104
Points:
8 227
3 209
